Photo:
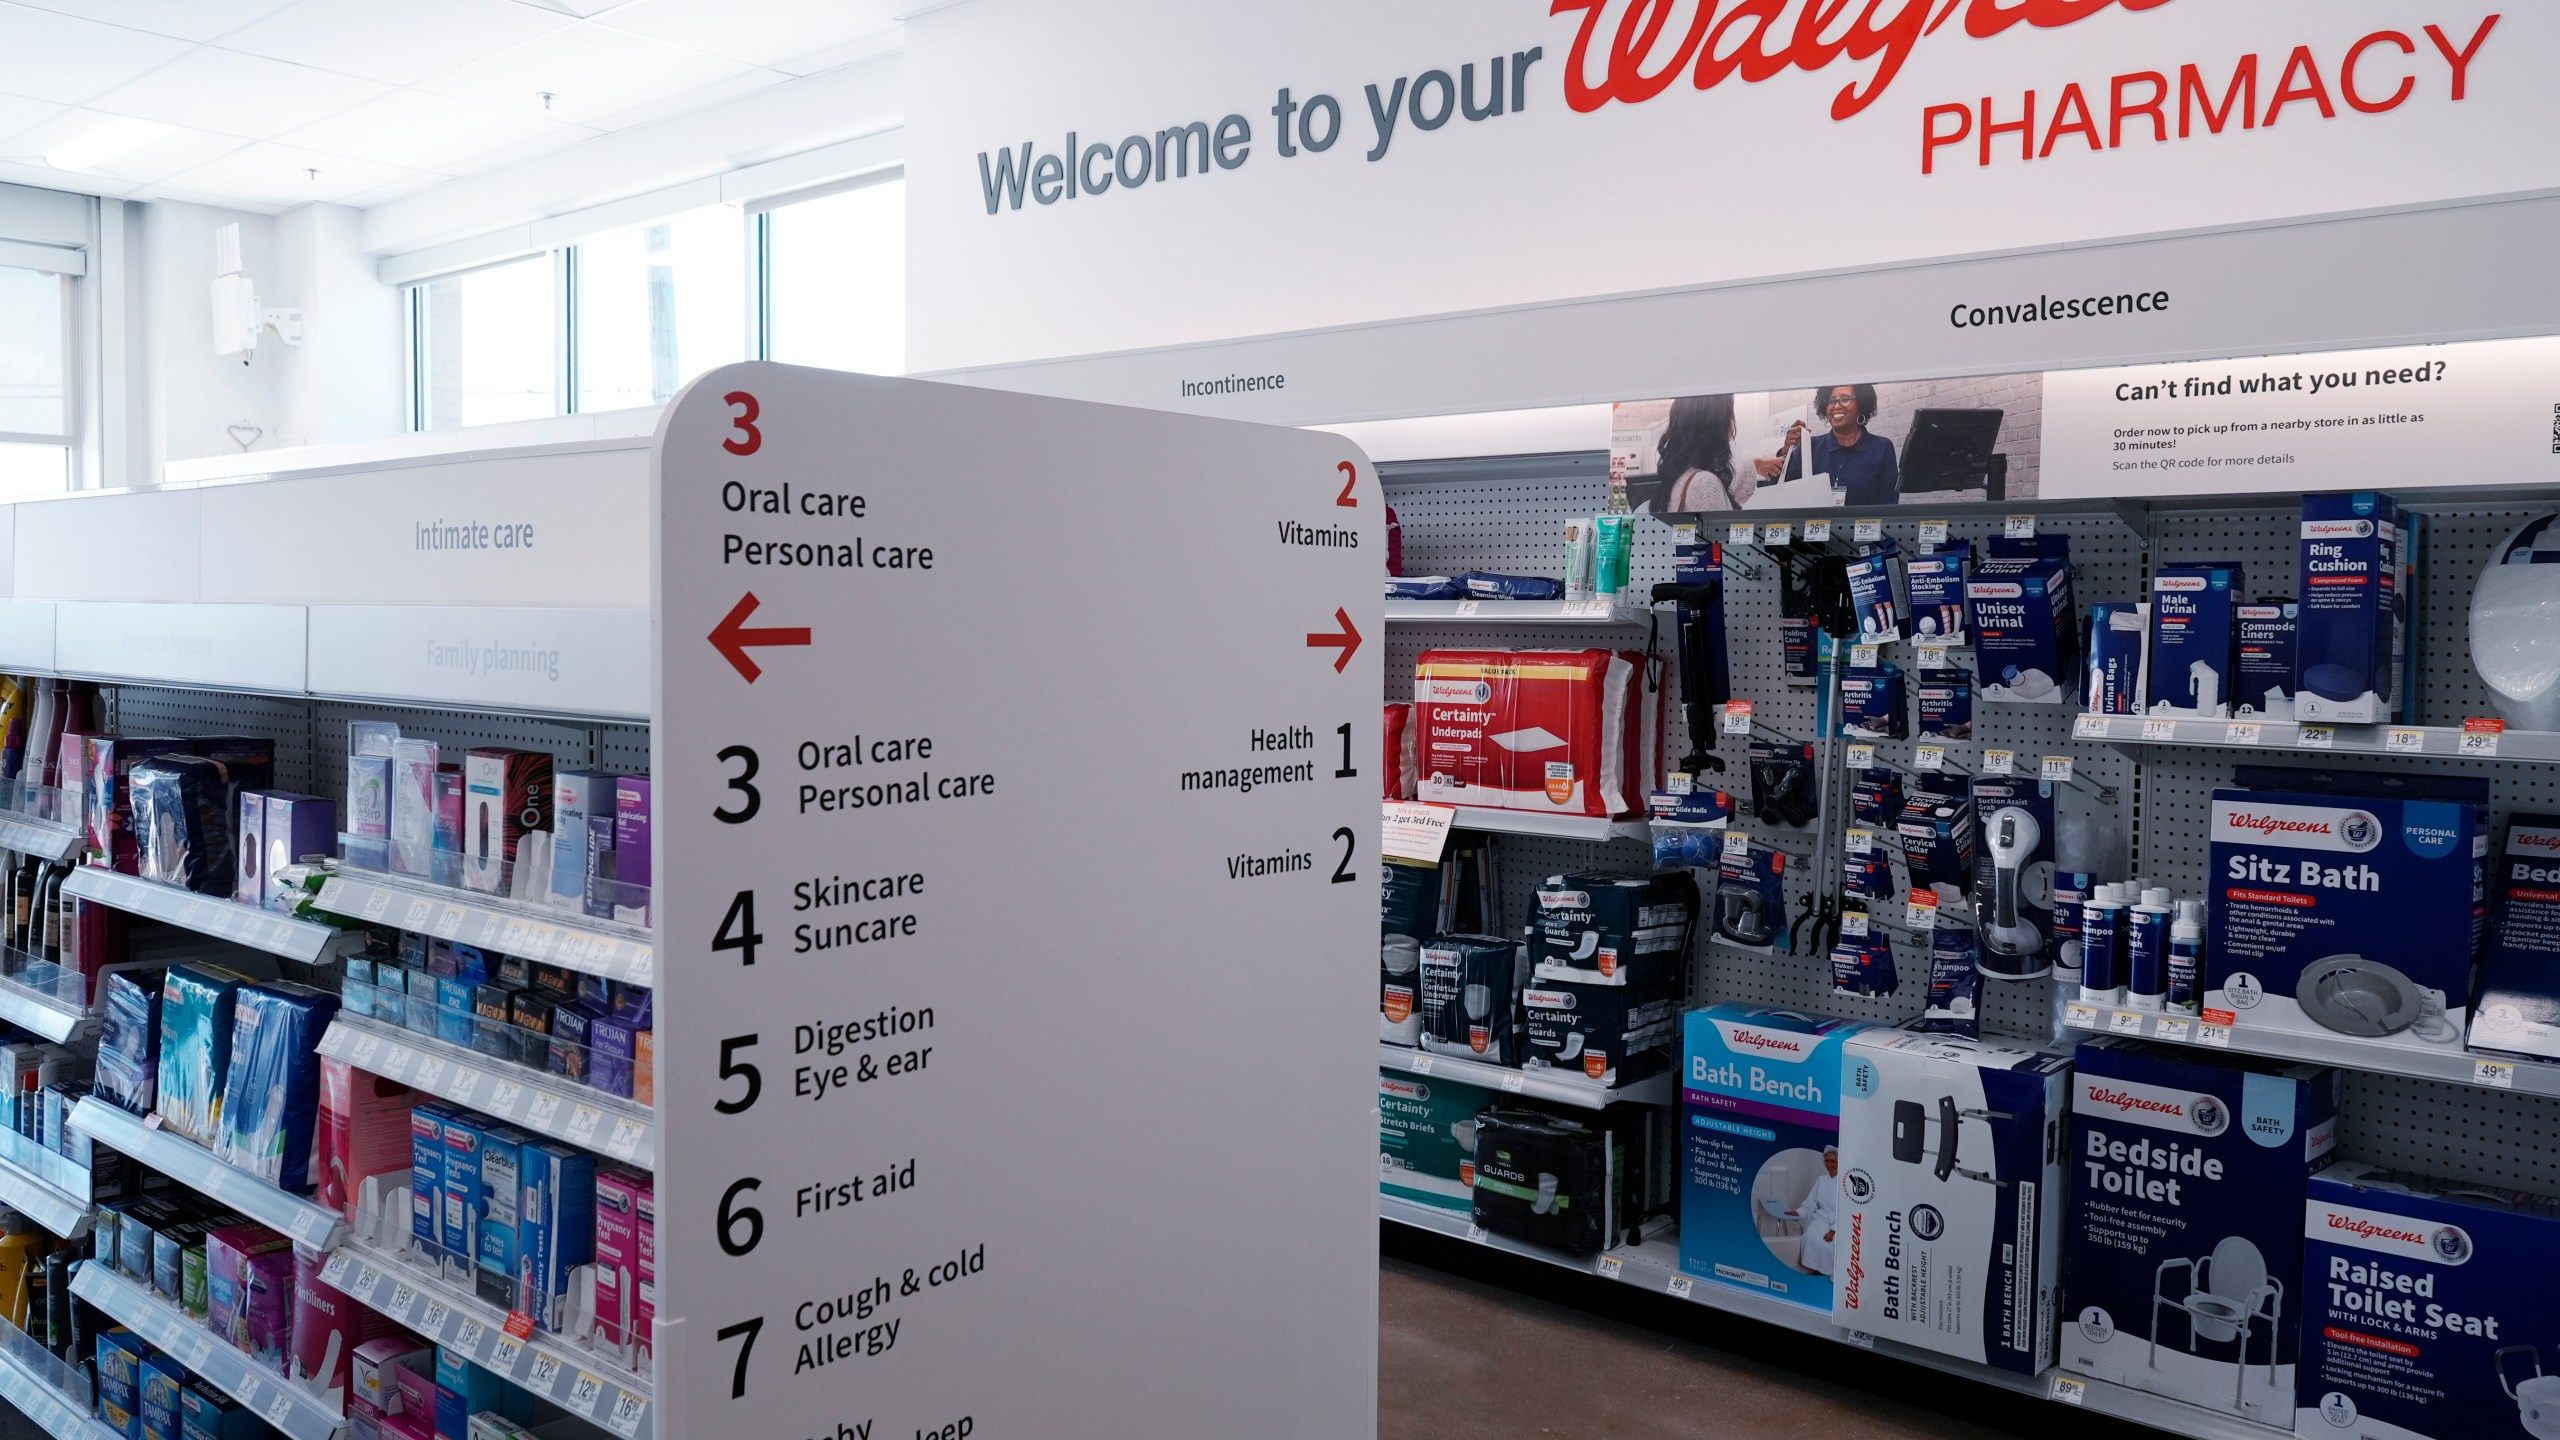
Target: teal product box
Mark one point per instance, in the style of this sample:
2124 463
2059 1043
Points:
1427 1139
457 1009
196 1006
163 1381
357 988
501 1215
426 1173
559 1226
2352 638
1759 1151
458 1230
205 1413
120 1357
462 1391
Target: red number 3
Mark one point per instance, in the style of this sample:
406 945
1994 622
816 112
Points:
749 439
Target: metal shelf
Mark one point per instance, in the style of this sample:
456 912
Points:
550 1366
33 1007
534 1100
277 934
55 1413
1557 1086
616 951
1552 827
2285 738
47 1188
44 839
2451 1067
305 1222
285 1405
1513 612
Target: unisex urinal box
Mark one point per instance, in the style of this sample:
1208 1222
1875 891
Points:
2427 1310
2518 1009
1951 1188
2026 641
2346 905
1759 1104
1427 1139
2182 1258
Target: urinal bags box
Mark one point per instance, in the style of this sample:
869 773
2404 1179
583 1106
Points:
2426 1310
2181 1258
2346 905
1951 1192
1556 731
2353 633
2518 1008
1427 1139
1759 1105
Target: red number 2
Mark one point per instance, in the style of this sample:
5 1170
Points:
1350 477
749 439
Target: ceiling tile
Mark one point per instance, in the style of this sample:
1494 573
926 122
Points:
158 158
241 94
400 41
406 185
19 172
420 131
63 57
183 19
766 33
19 114
580 8
852 52
280 175
588 70
686 101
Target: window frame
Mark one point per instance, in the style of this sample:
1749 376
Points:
760 245
413 317
70 265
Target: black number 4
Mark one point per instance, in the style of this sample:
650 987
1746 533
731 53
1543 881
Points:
738 928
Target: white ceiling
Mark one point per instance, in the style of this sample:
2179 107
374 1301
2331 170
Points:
269 104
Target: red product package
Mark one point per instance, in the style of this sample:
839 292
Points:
1395 543
1399 758
1555 731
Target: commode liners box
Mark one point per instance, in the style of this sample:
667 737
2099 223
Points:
1558 731
1951 1189
2182 1258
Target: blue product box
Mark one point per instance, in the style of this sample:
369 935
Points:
1759 1130
205 1413
1875 598
1946 704
271 1093
462 1391
457 1007
2346 905
356 992
578 797
1936 581
2013 874
2518 1008
1951 1187
195 1047
120 1357
163 1380
1871 703
426 1172
559 1222
2119 639
1936 834
2194 639
2026 634
1426 1140
465 1201
2268 673
2181 1261
501 1215
2353 635
613 1049
419 1007
2426 1309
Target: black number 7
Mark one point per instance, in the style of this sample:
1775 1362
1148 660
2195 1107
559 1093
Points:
738 1377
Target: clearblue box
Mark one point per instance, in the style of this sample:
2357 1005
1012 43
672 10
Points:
2353 638
2268 673
559 1223
501 1215
2180 1266
2026 633
2427 1309
2518 1009
2194 639
1759 1161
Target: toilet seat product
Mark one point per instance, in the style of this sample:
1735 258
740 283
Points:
2356 996
1558 731
2515 625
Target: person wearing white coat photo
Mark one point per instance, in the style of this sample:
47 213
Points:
1819 1212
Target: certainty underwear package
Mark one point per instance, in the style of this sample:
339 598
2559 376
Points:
1470 998
1417 901
1555 731
1600 931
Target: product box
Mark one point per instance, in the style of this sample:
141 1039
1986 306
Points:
578 796
507 793
205 1413
1936 581
2426 1309
612 1048
465 1196
462 1391
328 1326
1759 1132
1470 990
559 1225
2026 633
1570 1183
196 1011
1951 1182
249 849
1599 930
162 1381
2119 640
271 1091
2013 874
294 826
110 760
413 807
1555 731
1871 703
120 1356
248 1288
457 1009
2518 1009
364 1132
2181 1261
631 855
2353 638
426 1173
2346 905
2268 673
622 1194
2194 639
451 794
378 1363
1610 1034
182 807
502 1204
1945 702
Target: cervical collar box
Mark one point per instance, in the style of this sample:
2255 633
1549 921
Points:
2013 875
1613 1034
1951 1184
1760 1104
2518 1008
2026 636
1599 931
2334 913
1427 1139
2183 1260
1557 731
2355 609
2194 640
2426 1310
2269 669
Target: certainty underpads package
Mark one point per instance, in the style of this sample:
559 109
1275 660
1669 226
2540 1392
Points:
1558 731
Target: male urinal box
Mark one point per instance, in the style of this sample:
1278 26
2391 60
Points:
1759 1130
2427 1310
2346 905
1951 1193
1558 731
2182 1259
1427 1140
2194 639
2518 1008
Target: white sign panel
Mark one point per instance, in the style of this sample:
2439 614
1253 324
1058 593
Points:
251 647
553 660
144 545
1014 873
26 635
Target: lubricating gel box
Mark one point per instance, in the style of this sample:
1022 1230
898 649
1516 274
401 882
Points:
2188 1172
2194 639
1759 1151
1545 730
1951 1192
2346 905
2354 628
2518 1009
2427 1310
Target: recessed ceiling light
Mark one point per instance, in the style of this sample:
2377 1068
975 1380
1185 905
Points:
119 135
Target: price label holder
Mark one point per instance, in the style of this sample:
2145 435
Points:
1933 533
1421 1064
1468 609
2070 1390
2055 768
1514 1082
2496 1073
1861 756
2241 732
1920 911
2317 737
1780 534
2217 1035
1679 1287
1861 842
2177 1028
1866 532
1737 846
1863 657
2018 527
2479 738
2404 740
1854 925
1817 532
1999 762
2089 727
1612 1267
2125 1022
1741 532
2080 1015
1476 1233
1930 655
2159 728
1737 717
1929 757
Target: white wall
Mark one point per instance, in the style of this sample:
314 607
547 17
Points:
193 397
343 382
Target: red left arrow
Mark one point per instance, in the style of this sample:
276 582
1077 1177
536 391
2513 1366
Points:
731 637
1347 640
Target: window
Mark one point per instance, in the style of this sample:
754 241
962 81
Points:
487 347
36 419
658 305
835 280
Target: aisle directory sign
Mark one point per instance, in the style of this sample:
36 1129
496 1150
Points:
1015 878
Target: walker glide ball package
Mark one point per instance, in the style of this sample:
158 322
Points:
2181 1262
2519 1004
1951 1194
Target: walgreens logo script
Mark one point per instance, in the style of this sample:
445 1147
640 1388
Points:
2364 1229
1765 1043
2127 1103
2268 826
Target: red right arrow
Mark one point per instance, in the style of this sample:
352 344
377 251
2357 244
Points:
1348 640
731 637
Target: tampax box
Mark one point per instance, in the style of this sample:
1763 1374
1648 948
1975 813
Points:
2346 904
2519 1002
2427 1309
119 1366
1543 730
2181 1260
2026 633
2354 629
2269 672
2194 639
1759 1151
1951 1188
163 1380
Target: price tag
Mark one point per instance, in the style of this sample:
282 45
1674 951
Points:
1737 717
1468 608
421 910
576 946
2159 728
1612 1267
1929 757
1588 610
1514 1081
199 1352
1737 845
643 969
1859 1338
1741 532
466 1084
430 1073
2080 1016
502 1100
538 939
1422 1064
1777 534
468 1338
400 1061
1684 534
377 904
279 1408
584 1392
2240 732
2018 527
544 1110
311 1225
1862 842
1817 531
1861 756
1866 532
1933 533
627 1410
502 1356
2125 1022
212 1181
2318 737
1853 925
449 922
368 1280
1476 1233
2217 1036
366 1049
2089 727
2493 1072
1930 656
1920 911
626 1138
333 1271
2400 740
2070 1391
2479 738
1679 1287
583 1120
1862 657
2056 768
1680 782
432 1323
2174 1027
1999 762
546 1373
248 1391
403 1300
